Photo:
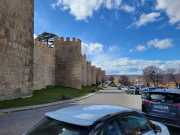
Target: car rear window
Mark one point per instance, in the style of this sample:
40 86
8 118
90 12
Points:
164 97
49 126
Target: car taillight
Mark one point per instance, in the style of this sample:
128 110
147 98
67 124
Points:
146 102
147 93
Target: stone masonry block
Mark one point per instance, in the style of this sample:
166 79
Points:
17 91
2 98
2 78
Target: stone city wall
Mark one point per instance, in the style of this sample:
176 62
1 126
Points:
98 75
44 65
25 67
103 75
68 62
88 70
93 74
107 78
16 48
83 66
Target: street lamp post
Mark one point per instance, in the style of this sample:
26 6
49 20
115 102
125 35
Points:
154 77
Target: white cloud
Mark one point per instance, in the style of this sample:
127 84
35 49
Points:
178 26
130 50
128 8
126 66
35 36
85 48
172 9
145 18
161 44
143 1
162 26
111 48
140 48
64 8
91 49
82 9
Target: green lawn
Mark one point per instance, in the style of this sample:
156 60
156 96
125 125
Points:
51 94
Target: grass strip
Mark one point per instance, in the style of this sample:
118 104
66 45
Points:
51 94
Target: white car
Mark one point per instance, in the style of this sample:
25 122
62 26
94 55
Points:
97 119
124 88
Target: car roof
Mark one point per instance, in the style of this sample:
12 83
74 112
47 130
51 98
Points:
165 91
84 115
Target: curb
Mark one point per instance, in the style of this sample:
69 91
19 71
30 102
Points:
34 107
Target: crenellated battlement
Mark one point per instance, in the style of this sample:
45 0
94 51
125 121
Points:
43 46
88 63
67 42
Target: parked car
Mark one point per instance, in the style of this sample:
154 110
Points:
163 106
124 88
145 91
97 119
119 87
133 90
103 84
161 87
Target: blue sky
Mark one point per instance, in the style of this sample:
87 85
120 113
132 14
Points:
120 36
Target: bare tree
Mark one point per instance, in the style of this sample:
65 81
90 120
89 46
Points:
112 78
124 80
171 75
166 80
148 75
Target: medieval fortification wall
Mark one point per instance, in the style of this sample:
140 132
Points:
26 65
44 65
103 75
68 62
98 75
93 75
16 48
88 70
83 68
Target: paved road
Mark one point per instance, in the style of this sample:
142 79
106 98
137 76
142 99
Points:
20 122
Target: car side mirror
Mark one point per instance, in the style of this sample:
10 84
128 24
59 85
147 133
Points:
157 129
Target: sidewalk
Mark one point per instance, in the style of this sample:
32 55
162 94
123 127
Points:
33 107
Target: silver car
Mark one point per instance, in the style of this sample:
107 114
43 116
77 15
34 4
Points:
97 119
124 88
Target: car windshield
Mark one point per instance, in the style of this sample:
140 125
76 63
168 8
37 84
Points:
164 97
48 126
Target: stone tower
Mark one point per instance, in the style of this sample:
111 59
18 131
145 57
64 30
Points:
16 48
93 75
68 62
98 75
88 70
84 74
103 75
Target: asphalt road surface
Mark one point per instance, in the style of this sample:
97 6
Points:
20 122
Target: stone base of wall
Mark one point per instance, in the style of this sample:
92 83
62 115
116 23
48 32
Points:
15 96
